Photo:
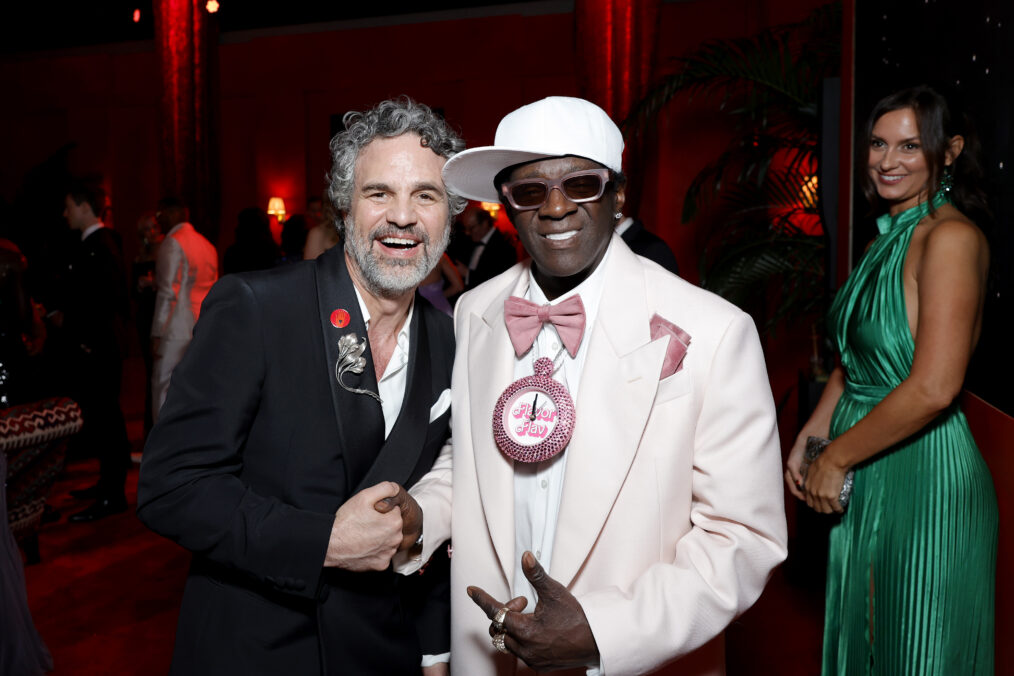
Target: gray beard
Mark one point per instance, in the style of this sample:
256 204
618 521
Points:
392 277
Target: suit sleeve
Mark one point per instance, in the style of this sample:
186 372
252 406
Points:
98 299
433 493
167 266
191 488
737 533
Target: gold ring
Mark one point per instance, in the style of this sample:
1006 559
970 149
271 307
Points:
498 642
498 619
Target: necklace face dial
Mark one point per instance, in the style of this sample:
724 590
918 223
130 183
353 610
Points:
534 417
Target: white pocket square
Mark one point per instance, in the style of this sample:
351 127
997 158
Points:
442 404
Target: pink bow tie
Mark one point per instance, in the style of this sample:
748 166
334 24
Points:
525 319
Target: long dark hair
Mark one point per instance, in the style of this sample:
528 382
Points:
937 126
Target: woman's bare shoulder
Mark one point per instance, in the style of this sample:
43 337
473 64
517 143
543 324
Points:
949 227
952 236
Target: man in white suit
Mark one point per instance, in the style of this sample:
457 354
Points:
185 270
628 546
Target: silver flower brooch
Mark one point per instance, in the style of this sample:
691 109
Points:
351 360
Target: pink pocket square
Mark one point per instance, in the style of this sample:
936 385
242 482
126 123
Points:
679 341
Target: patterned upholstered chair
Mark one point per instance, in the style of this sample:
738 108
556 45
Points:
34 437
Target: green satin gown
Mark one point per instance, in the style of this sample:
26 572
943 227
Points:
913 560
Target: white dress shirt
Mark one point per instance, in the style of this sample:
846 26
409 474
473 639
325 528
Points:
538 487
391 385
91 228
624 225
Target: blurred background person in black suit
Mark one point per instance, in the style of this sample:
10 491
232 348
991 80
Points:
254 249
645 243
493 252
90 321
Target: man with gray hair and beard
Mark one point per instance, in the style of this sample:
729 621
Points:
311 396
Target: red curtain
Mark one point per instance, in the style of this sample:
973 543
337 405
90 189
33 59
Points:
615 49
186 39
615 42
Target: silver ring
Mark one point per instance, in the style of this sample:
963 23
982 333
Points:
498 642
498 619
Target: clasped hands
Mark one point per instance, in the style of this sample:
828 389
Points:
822 481
372 526
556 636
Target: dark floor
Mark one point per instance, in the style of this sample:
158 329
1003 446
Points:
105 596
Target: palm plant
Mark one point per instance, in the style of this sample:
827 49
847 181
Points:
755 206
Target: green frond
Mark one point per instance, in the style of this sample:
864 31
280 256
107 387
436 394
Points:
746 204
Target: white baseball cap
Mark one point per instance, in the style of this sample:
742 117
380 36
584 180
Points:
552 127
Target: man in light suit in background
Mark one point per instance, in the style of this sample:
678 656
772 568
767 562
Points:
185 271
661 517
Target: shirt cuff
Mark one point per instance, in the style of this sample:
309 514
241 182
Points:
430 660
408 561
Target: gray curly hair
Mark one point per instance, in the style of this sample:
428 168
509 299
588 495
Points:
387 119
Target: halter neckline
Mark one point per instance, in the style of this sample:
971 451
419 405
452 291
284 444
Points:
912 215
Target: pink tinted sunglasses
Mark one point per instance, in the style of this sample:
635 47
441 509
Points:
578 186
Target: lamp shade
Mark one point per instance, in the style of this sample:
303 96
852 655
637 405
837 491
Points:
276 207
492 208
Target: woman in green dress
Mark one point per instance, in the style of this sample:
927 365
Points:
912 563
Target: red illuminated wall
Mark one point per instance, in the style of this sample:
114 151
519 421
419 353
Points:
278 92
104 102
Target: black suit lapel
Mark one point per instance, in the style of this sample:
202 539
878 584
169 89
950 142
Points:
401 451
358 417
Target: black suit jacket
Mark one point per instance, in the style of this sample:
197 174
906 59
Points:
257 447
498 255
645 243
95 302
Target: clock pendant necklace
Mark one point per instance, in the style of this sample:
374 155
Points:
534 417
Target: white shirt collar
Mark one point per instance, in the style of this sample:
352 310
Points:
405 327
391 386
91 228
624 225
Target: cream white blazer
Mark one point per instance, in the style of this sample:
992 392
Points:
672 516
185 270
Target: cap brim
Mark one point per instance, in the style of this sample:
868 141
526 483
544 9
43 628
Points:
470 173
